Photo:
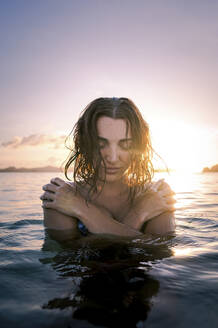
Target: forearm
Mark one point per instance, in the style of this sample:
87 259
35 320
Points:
135 219
148 207
72 204
162 224
99 221
58 221
60 226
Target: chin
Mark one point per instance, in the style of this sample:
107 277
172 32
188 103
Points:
112 177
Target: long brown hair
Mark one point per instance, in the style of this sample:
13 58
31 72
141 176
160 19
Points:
85 153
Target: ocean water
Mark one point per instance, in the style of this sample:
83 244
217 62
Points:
150 282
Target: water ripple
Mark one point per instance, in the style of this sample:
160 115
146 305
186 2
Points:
20 223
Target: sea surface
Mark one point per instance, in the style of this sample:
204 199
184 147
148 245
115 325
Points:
155 282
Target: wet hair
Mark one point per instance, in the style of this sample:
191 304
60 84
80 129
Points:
85 154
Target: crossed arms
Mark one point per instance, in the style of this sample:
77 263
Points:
63 207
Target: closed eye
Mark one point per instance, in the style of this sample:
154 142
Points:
126 144
102 142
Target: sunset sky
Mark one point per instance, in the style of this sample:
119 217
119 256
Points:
56 56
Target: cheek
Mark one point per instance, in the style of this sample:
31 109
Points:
126 158
102 153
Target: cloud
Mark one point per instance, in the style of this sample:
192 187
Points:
35 140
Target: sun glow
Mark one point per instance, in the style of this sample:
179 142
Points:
182 252
182 146
188 251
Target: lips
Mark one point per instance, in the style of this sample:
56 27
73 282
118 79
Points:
112 170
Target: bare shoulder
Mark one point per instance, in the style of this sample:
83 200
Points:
161 224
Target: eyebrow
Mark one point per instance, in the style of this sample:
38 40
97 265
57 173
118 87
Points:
104 139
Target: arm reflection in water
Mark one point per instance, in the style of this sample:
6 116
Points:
115 287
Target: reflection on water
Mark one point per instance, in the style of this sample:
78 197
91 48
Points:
188 251
101 282
114 287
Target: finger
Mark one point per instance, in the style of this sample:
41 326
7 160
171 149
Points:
42 197
50 187
47 204
167 207
166 192
170 200
156 185
164 186
170 207
72 185
57 181
160 183
48 196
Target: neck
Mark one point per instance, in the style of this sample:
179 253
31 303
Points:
115 188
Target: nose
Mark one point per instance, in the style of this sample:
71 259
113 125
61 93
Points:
112 155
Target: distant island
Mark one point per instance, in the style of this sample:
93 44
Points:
47 169
212 169
33 169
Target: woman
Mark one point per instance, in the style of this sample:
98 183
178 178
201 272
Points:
112 191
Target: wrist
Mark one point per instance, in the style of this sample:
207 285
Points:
89 212
80 208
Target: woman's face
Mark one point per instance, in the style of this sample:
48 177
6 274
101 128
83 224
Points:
115 145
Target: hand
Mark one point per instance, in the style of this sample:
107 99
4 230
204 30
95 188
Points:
164 190
163 197
157 200
62 197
